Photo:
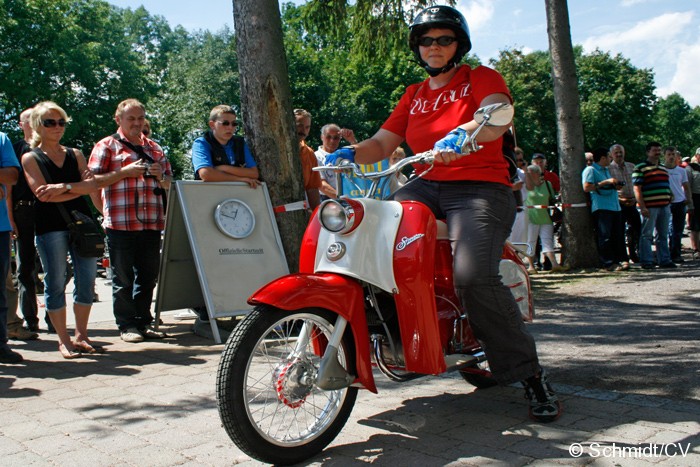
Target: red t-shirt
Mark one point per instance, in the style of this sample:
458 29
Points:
553 178
424 115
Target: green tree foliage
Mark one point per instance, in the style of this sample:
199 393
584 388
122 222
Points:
676 124
202 74
379 27
530 82
617 101
348 64
337 85
83 54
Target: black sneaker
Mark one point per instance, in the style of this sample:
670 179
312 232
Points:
544 404
8 355
670 265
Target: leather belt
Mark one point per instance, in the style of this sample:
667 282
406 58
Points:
24 203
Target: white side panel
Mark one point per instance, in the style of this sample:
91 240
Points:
369 248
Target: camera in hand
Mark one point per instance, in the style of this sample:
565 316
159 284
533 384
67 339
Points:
147 174
621 183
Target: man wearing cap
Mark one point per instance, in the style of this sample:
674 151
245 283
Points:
622 171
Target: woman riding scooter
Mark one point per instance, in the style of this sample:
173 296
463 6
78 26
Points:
472 192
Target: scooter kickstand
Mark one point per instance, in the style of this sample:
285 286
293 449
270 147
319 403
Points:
331 374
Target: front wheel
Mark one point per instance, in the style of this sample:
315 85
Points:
267 399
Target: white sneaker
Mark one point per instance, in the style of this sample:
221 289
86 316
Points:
132 335
185 315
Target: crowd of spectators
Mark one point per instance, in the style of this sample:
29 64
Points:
127 173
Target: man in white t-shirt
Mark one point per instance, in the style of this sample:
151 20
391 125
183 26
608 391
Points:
678 179
331 134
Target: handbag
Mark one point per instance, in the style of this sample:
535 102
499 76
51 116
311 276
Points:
84 234
554 212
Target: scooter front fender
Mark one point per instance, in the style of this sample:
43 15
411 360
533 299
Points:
339 294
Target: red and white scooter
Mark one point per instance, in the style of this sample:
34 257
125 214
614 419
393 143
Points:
374 290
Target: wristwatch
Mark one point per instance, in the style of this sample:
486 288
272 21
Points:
69 187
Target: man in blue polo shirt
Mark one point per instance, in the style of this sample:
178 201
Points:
605 206
9 172
221 156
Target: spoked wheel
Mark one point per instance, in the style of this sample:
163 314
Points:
267 399
479 375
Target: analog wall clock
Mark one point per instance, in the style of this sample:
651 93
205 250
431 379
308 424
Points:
234 218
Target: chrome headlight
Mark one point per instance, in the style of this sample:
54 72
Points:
340 216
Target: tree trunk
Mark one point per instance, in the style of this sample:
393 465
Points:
578 240
267 113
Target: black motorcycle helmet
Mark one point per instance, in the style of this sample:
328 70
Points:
444 17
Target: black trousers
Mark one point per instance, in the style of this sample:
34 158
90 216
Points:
633 220
26 262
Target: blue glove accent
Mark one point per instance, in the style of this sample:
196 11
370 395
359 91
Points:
453 141
347 153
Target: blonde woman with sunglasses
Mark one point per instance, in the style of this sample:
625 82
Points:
70 180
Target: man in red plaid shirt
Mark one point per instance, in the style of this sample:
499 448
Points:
134 174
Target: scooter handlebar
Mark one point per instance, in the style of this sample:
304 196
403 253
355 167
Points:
426 157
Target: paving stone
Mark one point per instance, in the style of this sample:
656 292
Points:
24 458
9 446
155 404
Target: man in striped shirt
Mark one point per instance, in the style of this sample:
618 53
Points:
653 193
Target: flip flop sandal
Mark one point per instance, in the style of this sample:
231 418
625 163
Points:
88 348
69 354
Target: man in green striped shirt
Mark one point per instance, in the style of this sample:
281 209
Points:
653 193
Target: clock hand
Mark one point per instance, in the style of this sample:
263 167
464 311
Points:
230 217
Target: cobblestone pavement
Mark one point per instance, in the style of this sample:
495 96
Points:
153 404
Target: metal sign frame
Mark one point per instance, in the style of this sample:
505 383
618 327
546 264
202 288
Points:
201 266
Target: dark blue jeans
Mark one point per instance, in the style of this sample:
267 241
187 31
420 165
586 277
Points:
677 226
479 217
134 258
610 232
4 268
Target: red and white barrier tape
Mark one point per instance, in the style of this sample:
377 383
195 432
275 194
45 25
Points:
561 205
297 206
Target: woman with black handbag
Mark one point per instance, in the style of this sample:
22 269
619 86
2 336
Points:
58 176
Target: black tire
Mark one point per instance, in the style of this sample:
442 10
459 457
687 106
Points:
480 376
265 406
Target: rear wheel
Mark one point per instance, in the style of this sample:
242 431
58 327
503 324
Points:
267 399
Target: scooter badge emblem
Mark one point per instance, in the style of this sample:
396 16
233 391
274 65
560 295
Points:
335 251
405 241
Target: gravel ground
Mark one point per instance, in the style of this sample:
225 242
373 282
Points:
634 332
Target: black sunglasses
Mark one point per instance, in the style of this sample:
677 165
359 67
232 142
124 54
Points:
227 123
51 123
427 41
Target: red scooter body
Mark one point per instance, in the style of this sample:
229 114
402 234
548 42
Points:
425 300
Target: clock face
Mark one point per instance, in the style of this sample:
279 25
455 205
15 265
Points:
234 218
